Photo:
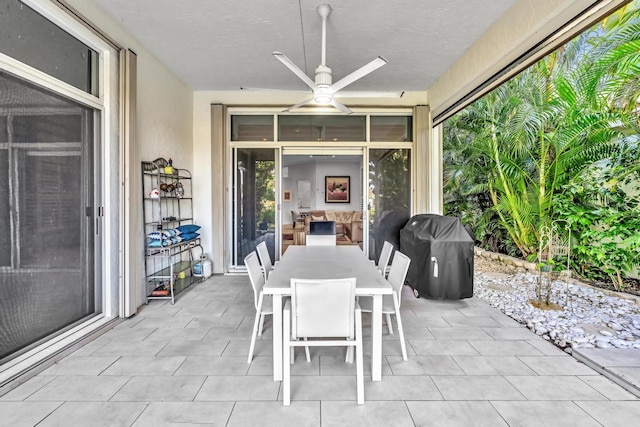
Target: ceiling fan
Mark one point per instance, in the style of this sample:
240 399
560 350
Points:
324 90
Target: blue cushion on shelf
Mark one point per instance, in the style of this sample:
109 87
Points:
188 228
154 243
189 236
164 234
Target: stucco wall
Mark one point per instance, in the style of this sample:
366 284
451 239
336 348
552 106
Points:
164 122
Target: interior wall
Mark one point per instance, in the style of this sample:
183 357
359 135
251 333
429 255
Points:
164 114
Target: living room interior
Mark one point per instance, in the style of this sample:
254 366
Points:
308 197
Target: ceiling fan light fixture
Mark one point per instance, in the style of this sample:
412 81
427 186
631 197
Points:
322 98
322 95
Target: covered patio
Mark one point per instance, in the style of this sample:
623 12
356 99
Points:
186 364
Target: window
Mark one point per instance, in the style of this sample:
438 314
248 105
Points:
32 39
321 128
391 128
252 128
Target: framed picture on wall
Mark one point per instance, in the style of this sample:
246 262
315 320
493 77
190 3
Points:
337 189
286 196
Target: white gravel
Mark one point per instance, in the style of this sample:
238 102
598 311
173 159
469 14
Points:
589 317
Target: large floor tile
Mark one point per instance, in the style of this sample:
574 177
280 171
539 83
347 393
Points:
424 365
557 365
25 414
27 389
492 365
80 388
459 320
130 348
237 388
442 348
274 414
477 387
145 365
401 388
371 414
607 388
96 414
185 414
341 388
194 348
81 365
544 413
213 365
613 414
505 348
454 414
160 389
520 333
175 334
456 333
554 388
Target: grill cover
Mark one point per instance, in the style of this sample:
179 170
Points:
387 228
441 253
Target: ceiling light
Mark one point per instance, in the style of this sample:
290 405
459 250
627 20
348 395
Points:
323 98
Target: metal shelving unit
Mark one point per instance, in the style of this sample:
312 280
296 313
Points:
168 204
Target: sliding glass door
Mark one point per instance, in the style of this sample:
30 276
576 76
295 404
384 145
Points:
389 196
47 199
254 218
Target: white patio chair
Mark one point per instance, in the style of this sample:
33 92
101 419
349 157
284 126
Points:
325 313
391 303
385 256
321 240
265 259
263 307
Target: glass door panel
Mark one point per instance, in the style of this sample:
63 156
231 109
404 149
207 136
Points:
47 203
389 196
254 218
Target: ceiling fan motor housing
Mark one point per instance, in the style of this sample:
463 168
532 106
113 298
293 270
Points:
323 76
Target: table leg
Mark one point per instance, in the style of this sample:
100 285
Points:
277 337
376 339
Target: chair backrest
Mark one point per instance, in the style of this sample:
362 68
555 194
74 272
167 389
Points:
265 259
323 308
398 272
255 275
321 240
385 255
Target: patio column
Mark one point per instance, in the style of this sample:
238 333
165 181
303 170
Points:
427 163
218 194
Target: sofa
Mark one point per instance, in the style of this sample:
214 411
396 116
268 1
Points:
348 226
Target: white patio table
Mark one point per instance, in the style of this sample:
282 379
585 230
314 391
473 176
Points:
327 262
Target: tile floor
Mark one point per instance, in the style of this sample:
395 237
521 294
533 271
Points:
186 364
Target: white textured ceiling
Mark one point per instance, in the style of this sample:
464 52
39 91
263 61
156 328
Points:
227 44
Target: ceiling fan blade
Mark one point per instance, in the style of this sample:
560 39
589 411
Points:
340 106
359 73
297 71
305 102
262 89
368 94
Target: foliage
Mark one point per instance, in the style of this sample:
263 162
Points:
605 211
265 191
527 145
